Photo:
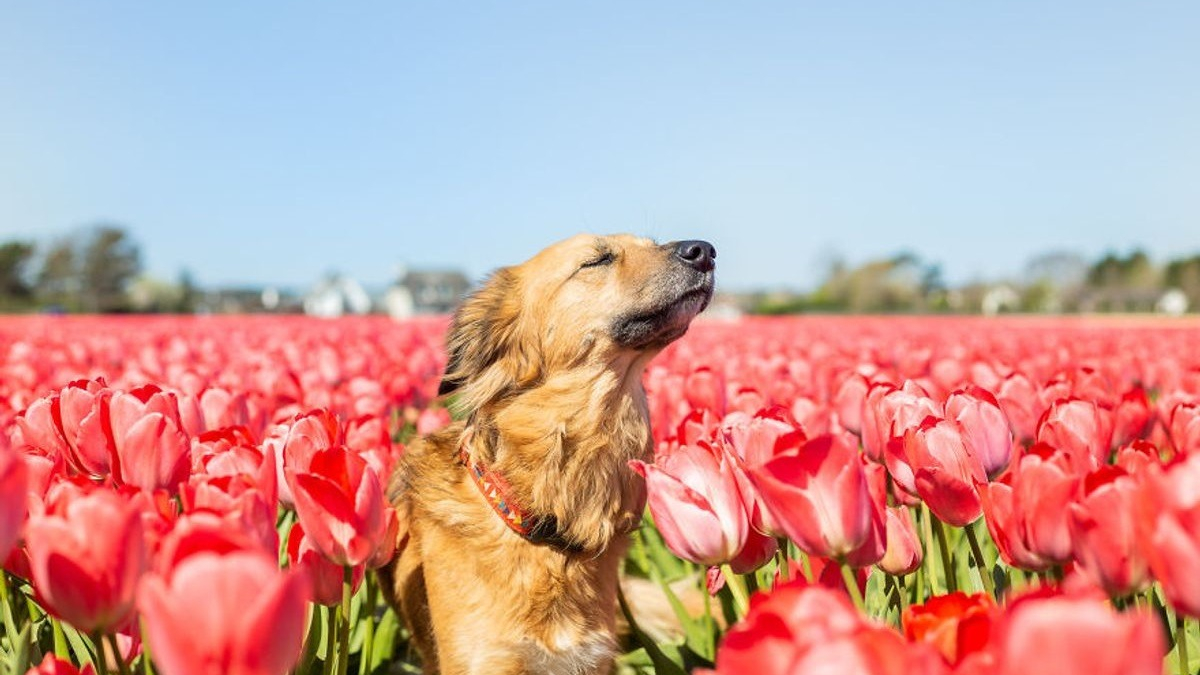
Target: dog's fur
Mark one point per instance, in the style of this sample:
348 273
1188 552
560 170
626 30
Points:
546 363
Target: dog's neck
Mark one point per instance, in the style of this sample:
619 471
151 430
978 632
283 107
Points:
564 447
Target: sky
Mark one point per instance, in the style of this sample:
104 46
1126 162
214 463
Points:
272 142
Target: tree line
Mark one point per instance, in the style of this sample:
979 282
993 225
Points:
1050 283
90 271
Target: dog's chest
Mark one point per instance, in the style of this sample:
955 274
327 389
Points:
571 656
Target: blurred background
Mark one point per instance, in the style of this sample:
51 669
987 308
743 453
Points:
966 157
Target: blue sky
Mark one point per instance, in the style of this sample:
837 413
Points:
271 142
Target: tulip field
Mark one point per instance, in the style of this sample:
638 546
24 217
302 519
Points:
907 495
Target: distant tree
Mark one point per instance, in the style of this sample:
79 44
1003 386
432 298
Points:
189 295
108 262
15 285
57 281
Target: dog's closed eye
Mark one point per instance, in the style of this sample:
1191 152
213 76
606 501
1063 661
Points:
601 259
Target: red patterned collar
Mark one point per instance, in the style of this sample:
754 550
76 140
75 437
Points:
536 529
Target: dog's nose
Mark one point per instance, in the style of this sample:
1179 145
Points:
696 254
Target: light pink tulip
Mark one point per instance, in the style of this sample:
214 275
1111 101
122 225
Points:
693 494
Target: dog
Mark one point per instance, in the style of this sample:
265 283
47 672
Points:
518 515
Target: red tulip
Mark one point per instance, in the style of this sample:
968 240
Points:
957 625
203 532
13 496
945 472
52 665
1064 635
1183 426
808 629
705 390
848 402
294 444
236 614
1079 428
899 411
1018 398
1132 417
1104 534
148 438
1026 510
904 553
340 502
984 428
1169 530
68 425
325 578
819 496
86 555
693 494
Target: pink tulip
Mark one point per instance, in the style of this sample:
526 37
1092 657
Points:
904 553
1168 523
1103 531
432 419
1045 633
819 496
13 495
984 427
1026 510
86 555
235 614
693 494
945 472
339 499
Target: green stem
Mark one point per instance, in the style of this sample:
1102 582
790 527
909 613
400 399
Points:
122 666
147 660
947 558
852 587
344 624
1181 643
737 587
927 530
980 563
331 624
369 600
101 663
781 564
903 595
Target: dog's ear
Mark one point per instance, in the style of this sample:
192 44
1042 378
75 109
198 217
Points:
488 353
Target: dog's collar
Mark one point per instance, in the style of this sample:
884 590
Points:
536 529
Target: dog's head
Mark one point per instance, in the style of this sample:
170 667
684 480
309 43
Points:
588 299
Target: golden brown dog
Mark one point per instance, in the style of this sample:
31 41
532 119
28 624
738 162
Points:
518 515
